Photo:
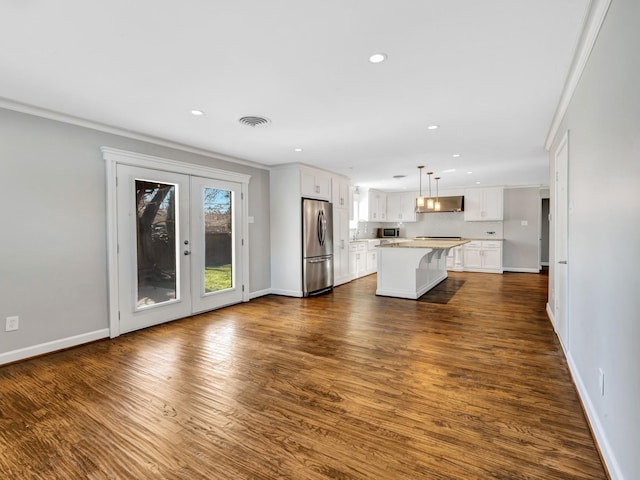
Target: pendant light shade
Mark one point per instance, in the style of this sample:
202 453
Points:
430 199
420 201
436 205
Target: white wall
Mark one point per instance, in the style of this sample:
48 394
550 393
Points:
603 120
521 247
53 271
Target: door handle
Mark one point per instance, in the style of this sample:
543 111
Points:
562 262
322 260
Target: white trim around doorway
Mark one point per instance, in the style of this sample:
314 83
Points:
114 157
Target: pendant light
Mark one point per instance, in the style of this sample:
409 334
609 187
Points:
436 205
430 199
420 201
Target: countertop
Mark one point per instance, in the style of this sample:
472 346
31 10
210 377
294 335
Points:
426 243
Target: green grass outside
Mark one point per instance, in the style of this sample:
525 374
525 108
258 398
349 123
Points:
217 278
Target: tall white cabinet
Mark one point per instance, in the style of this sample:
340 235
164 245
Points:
288 185
341 198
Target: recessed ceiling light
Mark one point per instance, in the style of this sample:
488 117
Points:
377 58
477 183
197 113
455 155
469 173
399 176
449 170
433 127
297 149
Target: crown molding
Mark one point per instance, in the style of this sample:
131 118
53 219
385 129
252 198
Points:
101 127
594 18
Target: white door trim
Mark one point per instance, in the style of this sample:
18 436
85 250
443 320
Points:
561 290
112 158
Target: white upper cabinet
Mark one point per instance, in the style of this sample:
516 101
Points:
340 192
483 204
373 208
315 183
401 207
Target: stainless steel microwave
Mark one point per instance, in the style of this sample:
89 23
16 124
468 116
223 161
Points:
388 232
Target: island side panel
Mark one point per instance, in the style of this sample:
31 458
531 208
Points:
399 274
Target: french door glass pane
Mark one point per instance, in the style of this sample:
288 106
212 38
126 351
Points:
218 231
156 243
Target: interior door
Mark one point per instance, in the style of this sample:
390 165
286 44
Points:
153 236
216 243
561 312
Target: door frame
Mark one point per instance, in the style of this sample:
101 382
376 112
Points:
114 157
561 311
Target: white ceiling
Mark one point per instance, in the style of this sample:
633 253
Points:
489 72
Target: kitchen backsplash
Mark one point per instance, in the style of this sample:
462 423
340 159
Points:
435 225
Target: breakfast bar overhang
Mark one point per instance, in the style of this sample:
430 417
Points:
410 269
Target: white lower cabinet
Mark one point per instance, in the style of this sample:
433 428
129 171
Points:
363 258
372 256
483 256
357 259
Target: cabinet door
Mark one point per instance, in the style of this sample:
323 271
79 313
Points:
315 184
394 207
340 245
381 200
339 192
377 206
492 256
408 207
473 204
323 185
372 262
492 208
483 204
472 257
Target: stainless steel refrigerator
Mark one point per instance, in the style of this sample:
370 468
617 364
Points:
317 246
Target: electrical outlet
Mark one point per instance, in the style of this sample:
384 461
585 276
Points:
601 381
12 323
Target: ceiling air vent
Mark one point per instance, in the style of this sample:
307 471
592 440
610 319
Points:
254 121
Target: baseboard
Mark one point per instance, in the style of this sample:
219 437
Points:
286 293
48 347
544 264
260 293
521 270
594 420
551 316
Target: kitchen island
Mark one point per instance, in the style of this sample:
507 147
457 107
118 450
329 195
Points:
410 269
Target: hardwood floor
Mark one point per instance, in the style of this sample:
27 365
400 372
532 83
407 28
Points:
344 386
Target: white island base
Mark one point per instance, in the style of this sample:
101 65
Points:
411 269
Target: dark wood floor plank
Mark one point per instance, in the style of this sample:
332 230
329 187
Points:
347 385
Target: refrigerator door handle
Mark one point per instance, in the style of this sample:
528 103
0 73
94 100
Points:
320 260
322 227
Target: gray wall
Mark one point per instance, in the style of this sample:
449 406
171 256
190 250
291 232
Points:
53 270
521 248
544 232
603 121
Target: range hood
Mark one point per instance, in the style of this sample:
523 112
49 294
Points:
447 204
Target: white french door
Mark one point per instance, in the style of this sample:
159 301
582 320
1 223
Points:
216 243
153 272
179 245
